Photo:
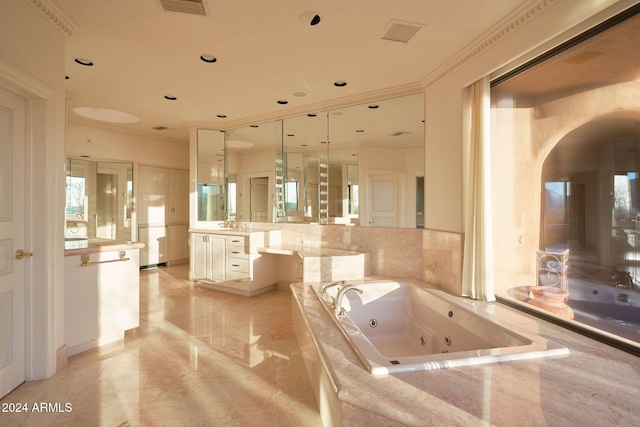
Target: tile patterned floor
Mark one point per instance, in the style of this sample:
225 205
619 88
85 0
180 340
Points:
199 358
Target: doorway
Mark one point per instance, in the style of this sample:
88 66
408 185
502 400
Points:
385 198
259 199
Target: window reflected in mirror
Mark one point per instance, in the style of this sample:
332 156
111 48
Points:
99 199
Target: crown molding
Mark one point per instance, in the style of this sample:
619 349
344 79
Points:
55 16
334 104
501 30
18 80
141 134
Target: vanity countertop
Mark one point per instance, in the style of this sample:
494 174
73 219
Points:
306 251
95 245
594 385
225 231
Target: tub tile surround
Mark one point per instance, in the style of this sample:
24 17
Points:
595 385
442 253
435 256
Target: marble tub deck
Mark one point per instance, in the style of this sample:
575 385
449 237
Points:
596 385
199 358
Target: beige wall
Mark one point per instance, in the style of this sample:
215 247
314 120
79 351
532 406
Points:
102 143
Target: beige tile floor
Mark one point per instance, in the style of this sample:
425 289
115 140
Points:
200 357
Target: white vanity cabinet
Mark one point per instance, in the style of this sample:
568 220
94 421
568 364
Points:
238 258
229 261
208 261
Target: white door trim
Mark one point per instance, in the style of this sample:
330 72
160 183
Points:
246 194
400 199
45 277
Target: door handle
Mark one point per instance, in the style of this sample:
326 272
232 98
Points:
22 254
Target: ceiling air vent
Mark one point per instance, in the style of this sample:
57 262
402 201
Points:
160 128
194 7
398 31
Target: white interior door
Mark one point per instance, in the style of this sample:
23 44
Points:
385 199
259 199
12 239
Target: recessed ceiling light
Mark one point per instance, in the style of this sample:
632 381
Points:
312 115
210 59
360 130
283 102
340 84
84 62
170 98
221 116
253 126
300 93
310 18
66 77
106 115
373 107
290 134
323 142
303 145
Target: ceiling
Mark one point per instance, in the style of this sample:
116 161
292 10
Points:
265 53
607 58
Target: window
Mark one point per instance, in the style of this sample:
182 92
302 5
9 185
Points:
566 134
76 201
291 192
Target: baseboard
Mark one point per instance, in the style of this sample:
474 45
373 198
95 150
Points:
62 357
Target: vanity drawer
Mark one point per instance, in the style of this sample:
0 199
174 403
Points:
237 241
238 265
237 252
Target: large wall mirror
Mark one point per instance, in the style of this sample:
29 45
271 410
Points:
359 165
99 199
211 188
306 169
252 155
387 139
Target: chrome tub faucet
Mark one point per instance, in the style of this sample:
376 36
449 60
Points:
338 309
323 293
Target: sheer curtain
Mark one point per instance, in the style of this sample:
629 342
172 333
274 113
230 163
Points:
477 268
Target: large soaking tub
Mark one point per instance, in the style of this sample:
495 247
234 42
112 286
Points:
398 326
